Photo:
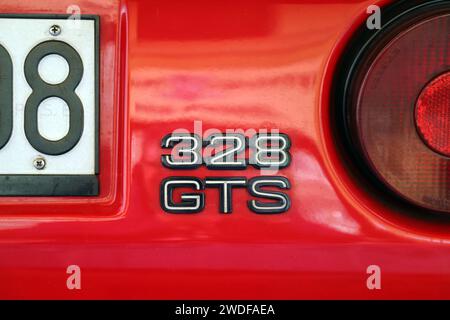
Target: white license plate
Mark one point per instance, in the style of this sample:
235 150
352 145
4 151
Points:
49 105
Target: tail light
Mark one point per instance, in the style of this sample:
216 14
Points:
396 103
433 114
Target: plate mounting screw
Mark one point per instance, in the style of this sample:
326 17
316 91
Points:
39 163
55 30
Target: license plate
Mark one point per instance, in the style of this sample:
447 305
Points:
49 105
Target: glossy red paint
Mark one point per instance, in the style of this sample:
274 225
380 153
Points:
245 64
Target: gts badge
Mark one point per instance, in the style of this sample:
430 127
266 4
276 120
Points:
267 153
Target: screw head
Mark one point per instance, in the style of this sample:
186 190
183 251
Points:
39 163
55 30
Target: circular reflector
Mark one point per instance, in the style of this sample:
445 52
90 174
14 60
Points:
433 114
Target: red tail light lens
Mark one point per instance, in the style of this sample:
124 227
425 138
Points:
397 106
433 114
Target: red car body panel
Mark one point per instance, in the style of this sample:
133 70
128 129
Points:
230 64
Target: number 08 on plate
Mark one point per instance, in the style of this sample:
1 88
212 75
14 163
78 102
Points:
49 106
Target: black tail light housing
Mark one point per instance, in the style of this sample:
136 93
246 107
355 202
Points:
392 103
